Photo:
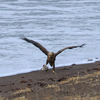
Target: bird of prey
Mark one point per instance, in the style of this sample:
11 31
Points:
51 56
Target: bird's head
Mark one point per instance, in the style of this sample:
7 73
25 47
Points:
51 55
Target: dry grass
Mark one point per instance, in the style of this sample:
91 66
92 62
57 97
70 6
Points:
63 98
91 79
51 91
56 87
22 91
80 98
80 79
20 98
1 98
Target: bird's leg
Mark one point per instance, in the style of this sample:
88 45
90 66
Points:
46 62
53 68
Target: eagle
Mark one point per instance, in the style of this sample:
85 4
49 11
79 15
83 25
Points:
51 56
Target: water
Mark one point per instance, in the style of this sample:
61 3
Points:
55 24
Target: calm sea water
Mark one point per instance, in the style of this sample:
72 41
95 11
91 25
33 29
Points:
53 23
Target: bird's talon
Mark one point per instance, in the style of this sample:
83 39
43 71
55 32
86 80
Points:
53 71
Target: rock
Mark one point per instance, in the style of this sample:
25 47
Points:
44 68
90 59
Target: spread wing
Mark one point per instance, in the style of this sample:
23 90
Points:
68 48
37 45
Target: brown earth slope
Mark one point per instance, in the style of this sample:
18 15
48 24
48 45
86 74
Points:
76 82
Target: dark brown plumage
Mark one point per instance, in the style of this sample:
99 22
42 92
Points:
51 56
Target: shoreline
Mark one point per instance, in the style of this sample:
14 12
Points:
37 80
90 61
